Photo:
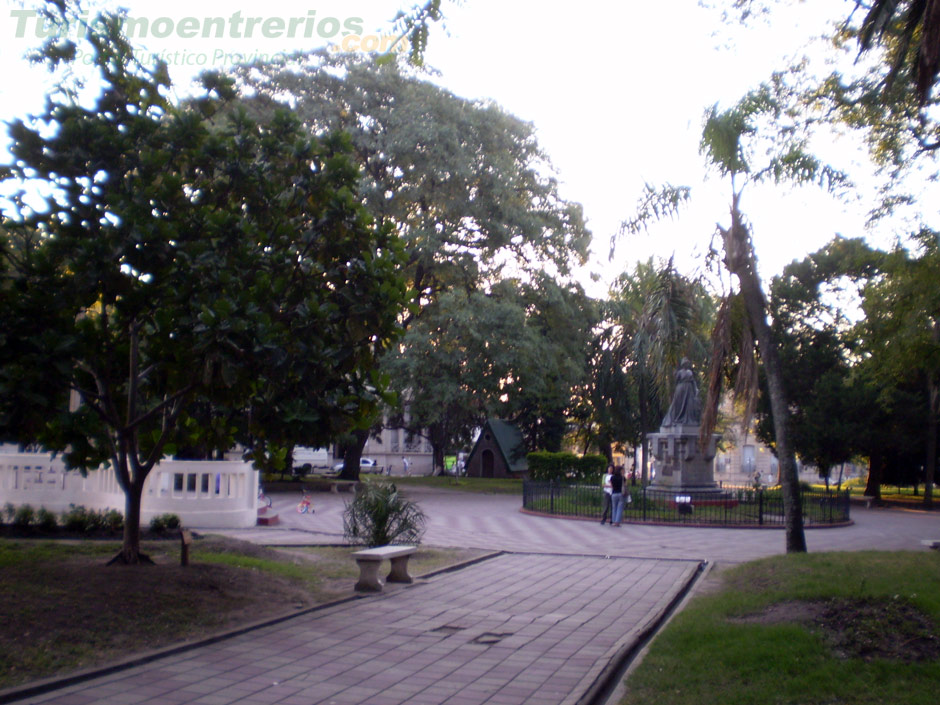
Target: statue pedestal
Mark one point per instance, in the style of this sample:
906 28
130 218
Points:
682 464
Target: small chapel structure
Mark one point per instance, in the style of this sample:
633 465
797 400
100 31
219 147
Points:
500 451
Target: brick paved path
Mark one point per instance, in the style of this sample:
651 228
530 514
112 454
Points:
495 522
535 626
510 630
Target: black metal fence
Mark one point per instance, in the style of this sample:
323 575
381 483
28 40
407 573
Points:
725 507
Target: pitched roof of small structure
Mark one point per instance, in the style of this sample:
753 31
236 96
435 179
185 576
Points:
510 442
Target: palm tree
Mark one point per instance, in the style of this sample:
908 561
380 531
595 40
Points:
910 32
660 316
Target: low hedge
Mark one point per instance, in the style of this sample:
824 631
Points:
566 466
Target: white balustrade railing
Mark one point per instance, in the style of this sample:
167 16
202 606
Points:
217 494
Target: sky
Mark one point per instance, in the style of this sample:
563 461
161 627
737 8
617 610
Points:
615 91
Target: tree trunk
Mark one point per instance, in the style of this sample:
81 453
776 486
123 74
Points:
130 547
931 465
740 261
352 455
437 458
875 474
644 472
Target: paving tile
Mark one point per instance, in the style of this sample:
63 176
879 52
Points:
547 606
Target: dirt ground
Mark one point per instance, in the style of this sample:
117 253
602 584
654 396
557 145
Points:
74 612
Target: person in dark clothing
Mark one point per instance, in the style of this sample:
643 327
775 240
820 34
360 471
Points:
616 496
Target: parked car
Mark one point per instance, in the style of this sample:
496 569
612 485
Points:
365 465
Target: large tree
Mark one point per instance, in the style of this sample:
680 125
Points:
182 255
515 351
468 188
835 412
901 333
758 140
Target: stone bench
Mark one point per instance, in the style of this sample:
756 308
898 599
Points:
370 559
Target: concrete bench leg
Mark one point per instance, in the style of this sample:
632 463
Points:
399 571
368 576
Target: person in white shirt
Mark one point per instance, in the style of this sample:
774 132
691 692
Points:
607 492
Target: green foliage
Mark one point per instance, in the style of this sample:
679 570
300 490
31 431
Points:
653 318
9 511
81 520
46 520
24 516
762 138
193 262
566 466
112 521
654 205
380 515
472 196
162 523
514 352
76 519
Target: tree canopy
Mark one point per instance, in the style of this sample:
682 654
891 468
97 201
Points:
472 199
184 255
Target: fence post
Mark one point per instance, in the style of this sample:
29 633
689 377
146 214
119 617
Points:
551 496
644 504
760 507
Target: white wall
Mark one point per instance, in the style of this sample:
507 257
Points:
219 494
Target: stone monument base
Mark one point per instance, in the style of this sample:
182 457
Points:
682 464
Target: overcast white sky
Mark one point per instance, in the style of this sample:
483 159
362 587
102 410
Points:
616 92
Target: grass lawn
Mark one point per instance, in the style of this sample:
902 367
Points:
808 629
461 484
62 609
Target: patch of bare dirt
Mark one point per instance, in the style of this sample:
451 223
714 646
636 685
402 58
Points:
866 629
76 612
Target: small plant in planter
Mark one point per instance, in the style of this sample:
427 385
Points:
379 515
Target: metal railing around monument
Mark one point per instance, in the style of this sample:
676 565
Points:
731 506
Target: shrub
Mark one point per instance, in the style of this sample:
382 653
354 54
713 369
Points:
379 515
9 511
113 521
164 522
76 519
86 521
566 466
25 515
46 520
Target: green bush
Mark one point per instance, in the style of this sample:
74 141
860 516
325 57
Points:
86 521
379 515
75 519
9 511
46 520
113 521
25 515
164 522
566 466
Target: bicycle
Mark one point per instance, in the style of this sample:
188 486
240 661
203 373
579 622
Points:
306 504
263 498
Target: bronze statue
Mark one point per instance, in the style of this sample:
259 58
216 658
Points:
686 407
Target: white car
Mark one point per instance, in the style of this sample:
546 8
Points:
365 465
